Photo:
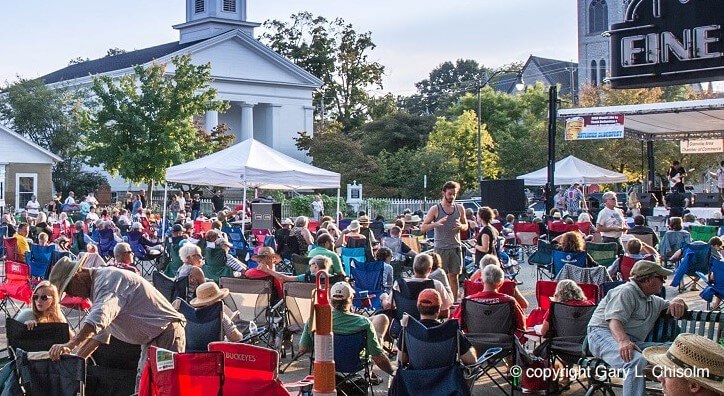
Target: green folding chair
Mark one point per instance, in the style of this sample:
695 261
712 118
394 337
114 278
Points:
603 253
702 232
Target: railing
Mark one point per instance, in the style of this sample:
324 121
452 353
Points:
389 208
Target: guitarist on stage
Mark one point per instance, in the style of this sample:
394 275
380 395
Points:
676 176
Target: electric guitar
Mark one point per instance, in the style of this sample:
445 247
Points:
675 180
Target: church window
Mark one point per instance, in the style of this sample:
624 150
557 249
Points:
597 16
594 73
199 6
230 5
602 72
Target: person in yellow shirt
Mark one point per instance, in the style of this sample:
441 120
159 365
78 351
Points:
21 241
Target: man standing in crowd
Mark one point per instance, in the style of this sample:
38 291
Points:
317 208
217 201
447 219
125 306
142 197
676 202
720 179
575 200
33 207
625 317
611 221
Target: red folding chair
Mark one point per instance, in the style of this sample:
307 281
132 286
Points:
182 374
75 307
11 249
559 228
250 369
56 232
471 287
260 235
526 235
626 265
313 225
201 226
15 287
545 289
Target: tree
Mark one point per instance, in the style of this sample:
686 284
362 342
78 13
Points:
457 140
336 54
394 132
445 85
47 117
154 109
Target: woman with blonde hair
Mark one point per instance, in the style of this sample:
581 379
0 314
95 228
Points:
573 242
569 293
46 307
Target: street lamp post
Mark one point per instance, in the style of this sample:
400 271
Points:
519 85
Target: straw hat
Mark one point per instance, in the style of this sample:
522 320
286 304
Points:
686 356
62 273
265 252
208 293
287 221
364 220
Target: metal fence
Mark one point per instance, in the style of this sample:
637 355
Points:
389 208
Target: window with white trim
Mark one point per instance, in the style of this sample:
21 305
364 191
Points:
26 185
229 6
199 6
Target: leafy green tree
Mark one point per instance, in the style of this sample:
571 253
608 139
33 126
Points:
457 140
143 123
445 85
401 173
47 117
394 132
336 54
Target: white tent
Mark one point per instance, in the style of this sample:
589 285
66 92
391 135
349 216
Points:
571 170
254 165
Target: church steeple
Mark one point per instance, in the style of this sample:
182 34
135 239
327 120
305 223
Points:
208 18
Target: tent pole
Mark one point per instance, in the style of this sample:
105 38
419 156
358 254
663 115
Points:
243 213
338 199
163 222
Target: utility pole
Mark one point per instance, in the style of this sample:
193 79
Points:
552 117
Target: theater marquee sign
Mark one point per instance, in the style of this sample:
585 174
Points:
667 42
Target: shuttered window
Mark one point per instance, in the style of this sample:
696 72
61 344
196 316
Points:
229 5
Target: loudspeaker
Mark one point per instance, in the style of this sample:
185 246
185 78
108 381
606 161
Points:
708 200
508 196
648 200
263 215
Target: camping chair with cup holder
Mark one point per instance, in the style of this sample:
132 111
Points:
249 369
299 304
695 259
182 374
16 290
367 281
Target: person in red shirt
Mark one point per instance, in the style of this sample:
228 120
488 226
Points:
267 259
568 292
492 276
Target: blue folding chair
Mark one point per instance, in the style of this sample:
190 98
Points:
542 258
203 325
715 287
368 285
240 248
561 258
39 258
351 357
106 243
696 257
357 253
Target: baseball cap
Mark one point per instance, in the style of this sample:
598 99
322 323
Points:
644 268
341 291
177 228
429 298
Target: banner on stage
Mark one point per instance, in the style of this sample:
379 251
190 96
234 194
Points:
595 127
700 146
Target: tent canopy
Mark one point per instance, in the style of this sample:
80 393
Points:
571 170
254 165
693 119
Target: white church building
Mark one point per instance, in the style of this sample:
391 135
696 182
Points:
270 97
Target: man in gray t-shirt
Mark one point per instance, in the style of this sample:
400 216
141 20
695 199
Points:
625 317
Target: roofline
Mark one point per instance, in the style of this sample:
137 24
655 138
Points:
647 108
16 135
312 81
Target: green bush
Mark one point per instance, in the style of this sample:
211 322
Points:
301 205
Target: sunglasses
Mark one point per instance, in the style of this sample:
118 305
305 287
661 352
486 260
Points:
42 297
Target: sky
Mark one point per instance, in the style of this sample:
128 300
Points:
412 36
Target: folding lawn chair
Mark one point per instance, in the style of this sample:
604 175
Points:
10 246
603 253
368 285
203 325
182 374
695 257
215 264
201 226
260 311
169 287
75 310
626 265
347 254
489 326
351 357
542 258
300 264
715 287
526 235
112 369
249 369
702 232
39 258
561 258
40 338
41 376
298 300
172 268
15 287
657 223
239 245
405 300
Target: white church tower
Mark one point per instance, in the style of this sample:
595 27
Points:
209 18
